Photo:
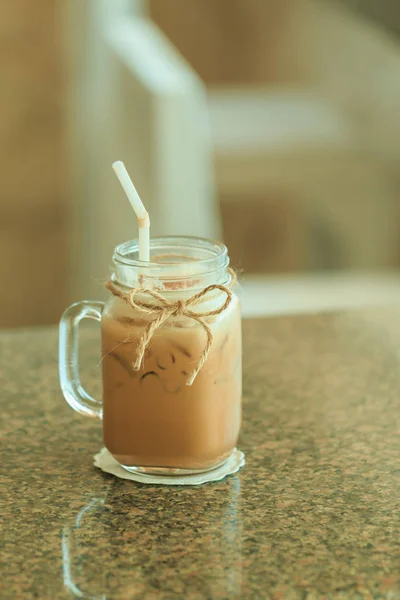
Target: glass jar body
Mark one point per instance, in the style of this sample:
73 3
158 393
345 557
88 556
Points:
171 396
152 419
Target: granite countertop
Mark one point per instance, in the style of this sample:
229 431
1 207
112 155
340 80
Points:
314 514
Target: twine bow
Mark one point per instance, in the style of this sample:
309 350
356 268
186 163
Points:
165 309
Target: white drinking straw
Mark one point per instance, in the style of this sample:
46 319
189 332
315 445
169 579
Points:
142 215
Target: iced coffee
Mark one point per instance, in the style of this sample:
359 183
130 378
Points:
171 357
152 418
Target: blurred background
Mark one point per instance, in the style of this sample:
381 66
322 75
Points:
271 124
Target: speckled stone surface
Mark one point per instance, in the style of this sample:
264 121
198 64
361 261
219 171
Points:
314 514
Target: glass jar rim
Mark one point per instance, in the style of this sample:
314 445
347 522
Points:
217 250
194 257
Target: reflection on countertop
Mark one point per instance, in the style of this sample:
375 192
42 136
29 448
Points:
153 543
314 513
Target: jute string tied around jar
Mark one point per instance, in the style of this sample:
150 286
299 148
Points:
163 309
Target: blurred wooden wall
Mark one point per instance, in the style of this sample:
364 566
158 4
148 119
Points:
354 65
226 41
32 190
238 41
256 43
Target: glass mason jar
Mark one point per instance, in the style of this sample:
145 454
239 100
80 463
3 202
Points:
171 394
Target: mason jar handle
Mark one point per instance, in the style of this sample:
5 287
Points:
70 381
